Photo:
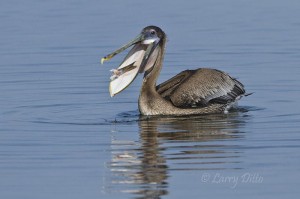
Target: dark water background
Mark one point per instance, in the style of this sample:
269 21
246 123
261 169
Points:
62 136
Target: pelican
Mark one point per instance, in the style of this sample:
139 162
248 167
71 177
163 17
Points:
191 92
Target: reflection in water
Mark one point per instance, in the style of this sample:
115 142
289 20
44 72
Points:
173 144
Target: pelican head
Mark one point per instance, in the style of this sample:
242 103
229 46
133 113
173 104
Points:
141 58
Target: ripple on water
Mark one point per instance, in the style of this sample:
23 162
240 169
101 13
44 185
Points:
174 144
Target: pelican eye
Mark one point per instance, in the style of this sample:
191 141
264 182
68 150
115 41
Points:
152 32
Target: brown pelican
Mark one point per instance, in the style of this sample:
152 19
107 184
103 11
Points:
200 91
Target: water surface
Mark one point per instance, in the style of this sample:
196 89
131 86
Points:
62 136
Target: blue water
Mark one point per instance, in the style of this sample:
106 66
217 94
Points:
62 136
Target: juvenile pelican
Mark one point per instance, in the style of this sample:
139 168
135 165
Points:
200 91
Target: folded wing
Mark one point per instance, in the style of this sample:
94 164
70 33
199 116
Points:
201 88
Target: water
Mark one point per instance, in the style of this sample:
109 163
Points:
62 136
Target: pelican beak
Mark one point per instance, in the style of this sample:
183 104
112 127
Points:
111 55
139 59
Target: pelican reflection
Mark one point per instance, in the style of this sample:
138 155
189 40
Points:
173 144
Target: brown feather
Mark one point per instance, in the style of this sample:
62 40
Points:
201 88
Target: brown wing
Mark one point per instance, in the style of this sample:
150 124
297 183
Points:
199 88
